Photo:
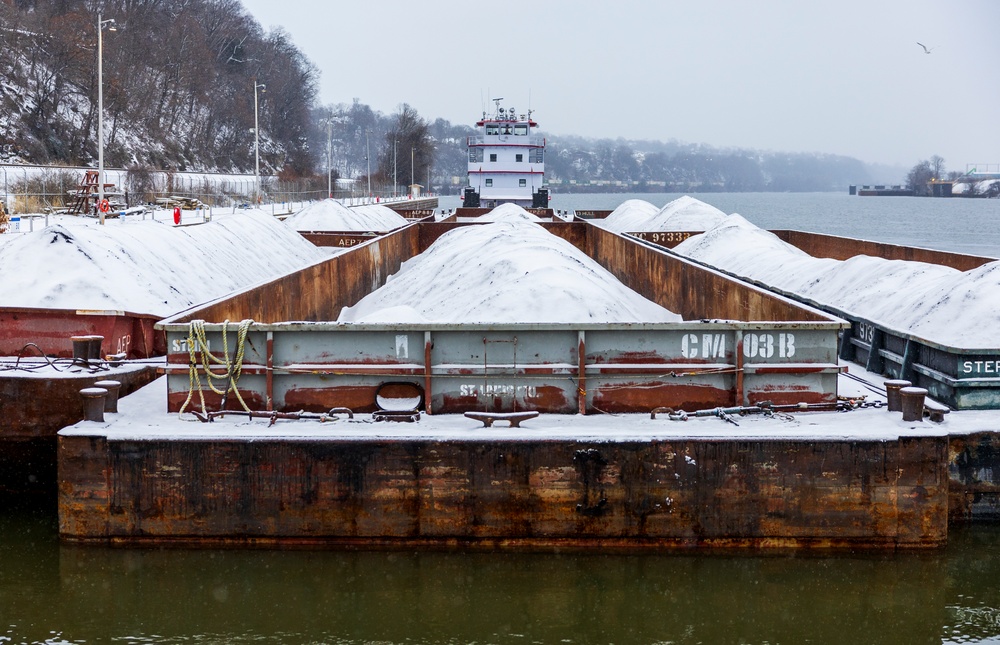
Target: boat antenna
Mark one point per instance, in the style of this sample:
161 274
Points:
482 102
497 102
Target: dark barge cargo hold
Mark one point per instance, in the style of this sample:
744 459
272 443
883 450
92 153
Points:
573 477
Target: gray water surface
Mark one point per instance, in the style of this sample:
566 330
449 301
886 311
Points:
963 225
72 594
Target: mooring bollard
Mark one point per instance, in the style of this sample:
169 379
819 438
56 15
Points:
93 398
81 348
111 400
893 401
913 403
94 352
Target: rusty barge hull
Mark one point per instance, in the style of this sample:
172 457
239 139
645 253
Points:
51 332
532 494
34 409
742 345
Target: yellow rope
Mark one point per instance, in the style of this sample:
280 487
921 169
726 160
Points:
198 352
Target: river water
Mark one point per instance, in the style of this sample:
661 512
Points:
52 593
961 225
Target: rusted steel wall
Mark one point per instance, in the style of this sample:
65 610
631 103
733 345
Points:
844 248
688 289
666 239
52 331
507 368
974 470
490 494
320 291
337 240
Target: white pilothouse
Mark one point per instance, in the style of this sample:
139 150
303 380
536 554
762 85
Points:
506 162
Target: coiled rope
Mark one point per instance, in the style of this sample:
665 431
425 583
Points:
198 352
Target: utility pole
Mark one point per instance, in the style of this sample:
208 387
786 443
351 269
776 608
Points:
256 139
368 159
100 109
329 159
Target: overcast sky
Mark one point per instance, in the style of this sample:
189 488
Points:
844 77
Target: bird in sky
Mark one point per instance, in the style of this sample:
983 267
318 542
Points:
926 50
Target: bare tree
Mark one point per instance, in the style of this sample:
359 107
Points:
937 167
919 177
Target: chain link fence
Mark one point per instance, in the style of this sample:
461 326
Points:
37 190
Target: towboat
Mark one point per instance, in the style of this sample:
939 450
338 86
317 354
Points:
506 162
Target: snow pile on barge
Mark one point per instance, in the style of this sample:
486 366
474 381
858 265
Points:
682 214
504 272
931 301
148 267
509 213
331 215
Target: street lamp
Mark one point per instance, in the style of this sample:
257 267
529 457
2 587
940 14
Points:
110 23
395 182
256 139
411 171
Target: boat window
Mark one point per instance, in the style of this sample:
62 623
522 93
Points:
493 157
506 130
475 155
537 156
492 129
489 183
519 158
521 129
522 182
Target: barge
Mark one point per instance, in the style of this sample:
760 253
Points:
602 465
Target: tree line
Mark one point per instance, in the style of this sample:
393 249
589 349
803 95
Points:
179 80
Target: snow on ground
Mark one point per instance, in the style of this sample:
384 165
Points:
682 214
331 215
146 266
504 272
140 417
940 304
508 213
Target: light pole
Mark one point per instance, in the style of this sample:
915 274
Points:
412 149
395 182
256 140
110 22
368 160
329 159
